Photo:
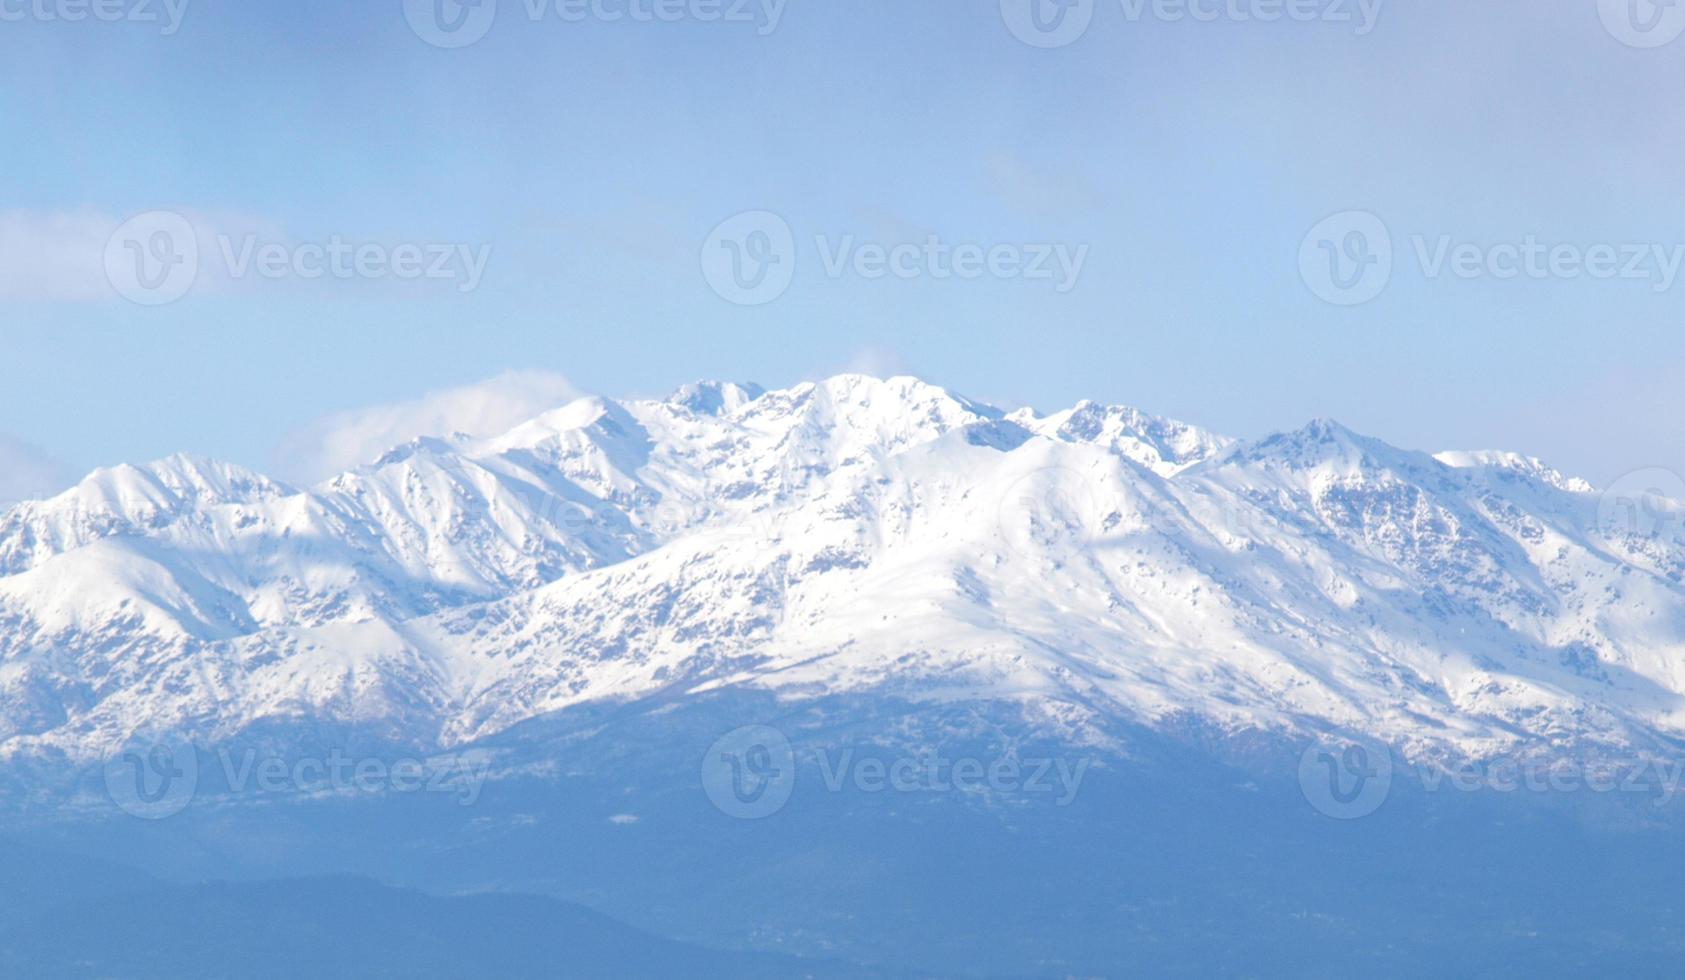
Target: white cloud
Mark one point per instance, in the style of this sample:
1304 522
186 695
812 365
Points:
877 362
343 440
27 473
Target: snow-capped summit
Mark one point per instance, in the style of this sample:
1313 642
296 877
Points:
1523 466
1096 565
715 397
1164 446
125 499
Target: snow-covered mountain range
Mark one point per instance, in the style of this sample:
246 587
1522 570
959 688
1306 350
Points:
854 536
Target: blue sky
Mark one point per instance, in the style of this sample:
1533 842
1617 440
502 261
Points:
588 161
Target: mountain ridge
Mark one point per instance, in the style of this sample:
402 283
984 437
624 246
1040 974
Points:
852 534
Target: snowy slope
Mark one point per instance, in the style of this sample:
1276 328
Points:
853 535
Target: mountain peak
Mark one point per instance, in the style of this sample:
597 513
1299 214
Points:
419 446
1515 463
1164 446
715 397
180 476
1320 441
902 390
